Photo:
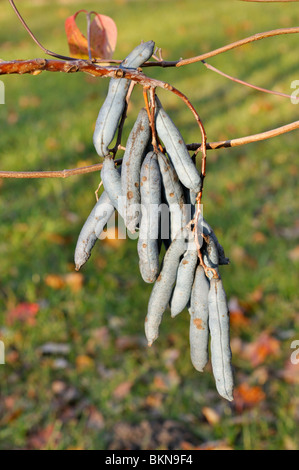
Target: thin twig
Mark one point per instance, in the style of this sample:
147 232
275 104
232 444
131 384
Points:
195 146
33 36
54 174
237 80
249 139
234 45
153 113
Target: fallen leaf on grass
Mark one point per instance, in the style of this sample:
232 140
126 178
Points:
43 437
240 256
294 254
256 296
154 400
100 338
55 281
258 351
24 312
32 101
259 238
246 396
58 387
122 390
58 239
170 355
15 414
165 382
211 415
237 315
96 419
72 280
84 362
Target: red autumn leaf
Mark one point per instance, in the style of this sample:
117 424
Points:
25 312
237 316
122 390
258 351
246 396
103 37
43 437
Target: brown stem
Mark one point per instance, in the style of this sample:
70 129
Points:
237 80
247 139
234 45
33 36
195 146
153 125
54 174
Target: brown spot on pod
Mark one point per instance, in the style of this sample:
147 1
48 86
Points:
136 185
159 278
130 194
144 245
198 323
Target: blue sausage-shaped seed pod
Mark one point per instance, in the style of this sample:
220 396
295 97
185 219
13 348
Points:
131 166
220 339
111 179
177 150
162 289
174 195
148 245
92 229
113 106
184 279
199 320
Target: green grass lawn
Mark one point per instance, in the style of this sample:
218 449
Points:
109 390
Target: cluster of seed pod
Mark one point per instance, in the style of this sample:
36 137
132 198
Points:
154 191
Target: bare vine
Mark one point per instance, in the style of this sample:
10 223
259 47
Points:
93 67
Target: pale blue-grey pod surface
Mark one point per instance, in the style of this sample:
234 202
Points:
174 195
210 256
162 290
150 191
177 150
113 106
207 229
92 229
220 340
131 166
199 320
111 179
184 279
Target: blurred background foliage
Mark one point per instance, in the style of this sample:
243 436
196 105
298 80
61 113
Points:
78 373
